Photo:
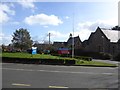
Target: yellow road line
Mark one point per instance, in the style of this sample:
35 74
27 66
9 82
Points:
57 87
18 84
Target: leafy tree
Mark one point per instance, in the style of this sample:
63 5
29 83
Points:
116 28
21 39
3 47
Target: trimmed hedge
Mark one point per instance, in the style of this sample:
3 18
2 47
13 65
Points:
55 62
69 62
77 57
38 61
117 57
62 55
83 58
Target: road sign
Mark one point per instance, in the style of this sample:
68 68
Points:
34 50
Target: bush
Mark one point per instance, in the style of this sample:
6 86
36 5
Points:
117 57
38 61
106 56
69 62
52 61
65 55
97 55
29 51
77 57
84 58
61 55
54 54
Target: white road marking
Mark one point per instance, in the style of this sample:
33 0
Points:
59 66
55 71
18 84
57 87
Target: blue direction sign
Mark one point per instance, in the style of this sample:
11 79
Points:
34 50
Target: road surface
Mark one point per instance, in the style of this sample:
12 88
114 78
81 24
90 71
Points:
50 76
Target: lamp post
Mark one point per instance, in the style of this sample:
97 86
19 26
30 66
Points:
72 47
49 39
73 39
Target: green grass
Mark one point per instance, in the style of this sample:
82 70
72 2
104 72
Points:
0 54
36 56
44 56
94 63
27 55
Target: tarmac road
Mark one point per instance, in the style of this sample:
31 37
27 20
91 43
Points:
50 76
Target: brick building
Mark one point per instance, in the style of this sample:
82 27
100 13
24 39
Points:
103 40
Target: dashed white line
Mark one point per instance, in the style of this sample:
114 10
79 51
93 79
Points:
60 66
55 71
19 84
57 87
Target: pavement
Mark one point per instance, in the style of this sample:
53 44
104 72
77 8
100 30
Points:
55 76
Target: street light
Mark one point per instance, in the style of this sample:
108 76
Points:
73 39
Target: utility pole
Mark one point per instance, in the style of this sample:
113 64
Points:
49 39
73 39
119 13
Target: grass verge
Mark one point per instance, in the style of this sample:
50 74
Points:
94 63
36 56
55 58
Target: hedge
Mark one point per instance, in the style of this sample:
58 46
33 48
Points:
83 58
38 61
77 57
117 57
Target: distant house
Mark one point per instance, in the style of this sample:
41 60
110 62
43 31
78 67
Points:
57 45
42 47
63 51
68 44
118 46
103 40
77 42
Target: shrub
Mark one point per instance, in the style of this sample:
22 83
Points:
69 62
77 57
97 55
117 57
106 56
84 58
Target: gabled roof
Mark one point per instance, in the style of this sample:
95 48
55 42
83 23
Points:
56 43
111 34
91 35
77 38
